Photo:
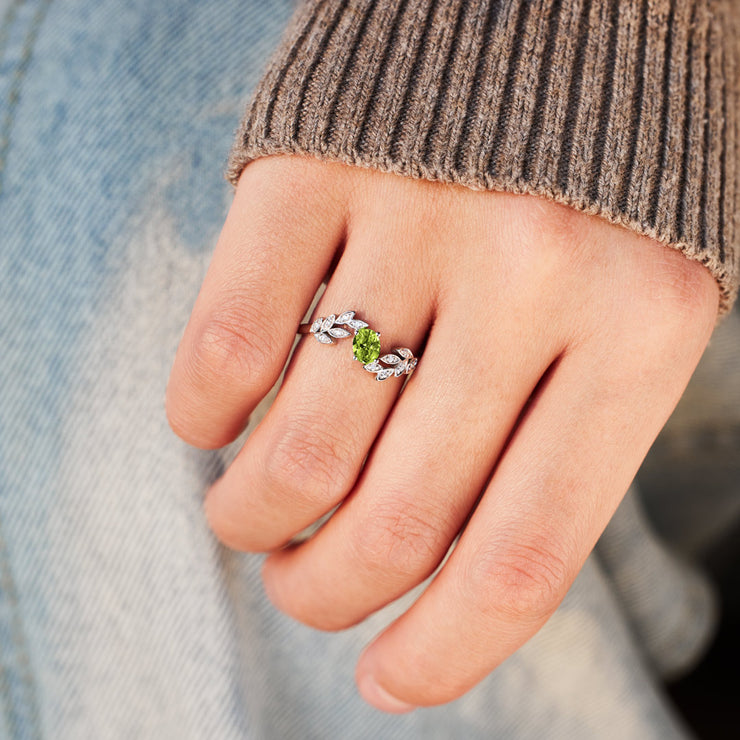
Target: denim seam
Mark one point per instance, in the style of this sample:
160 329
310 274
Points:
22 658
14 95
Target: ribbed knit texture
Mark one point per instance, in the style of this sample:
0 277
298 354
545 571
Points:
624 108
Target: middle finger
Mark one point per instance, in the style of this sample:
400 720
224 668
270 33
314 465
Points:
306 454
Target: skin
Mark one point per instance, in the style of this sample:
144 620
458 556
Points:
555 346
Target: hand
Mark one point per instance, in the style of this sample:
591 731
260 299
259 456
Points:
558 344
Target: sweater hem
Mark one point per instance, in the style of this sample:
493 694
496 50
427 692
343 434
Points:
242 156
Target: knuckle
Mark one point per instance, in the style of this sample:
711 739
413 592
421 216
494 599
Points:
680 291
227 350
546 223
665 325
523 580
310 465
398 542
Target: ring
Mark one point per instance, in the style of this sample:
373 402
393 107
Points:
365 345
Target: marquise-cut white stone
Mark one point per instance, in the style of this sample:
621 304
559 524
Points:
343 318
386 372
373 367
328 322
406 353
338 333
390 359
316 326
356 324
400 368
324 338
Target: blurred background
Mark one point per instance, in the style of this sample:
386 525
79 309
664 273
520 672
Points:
690 487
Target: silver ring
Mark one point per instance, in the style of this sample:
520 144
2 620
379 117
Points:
365 344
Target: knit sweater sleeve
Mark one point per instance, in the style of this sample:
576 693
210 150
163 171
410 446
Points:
623 108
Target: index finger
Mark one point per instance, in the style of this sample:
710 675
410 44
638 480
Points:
277 244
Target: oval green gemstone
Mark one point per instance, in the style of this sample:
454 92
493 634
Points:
366 345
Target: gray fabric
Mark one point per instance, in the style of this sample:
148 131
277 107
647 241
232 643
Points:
691 478
670 606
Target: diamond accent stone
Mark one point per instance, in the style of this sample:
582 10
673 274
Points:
366 345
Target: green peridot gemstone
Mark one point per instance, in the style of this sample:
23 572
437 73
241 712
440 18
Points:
366 345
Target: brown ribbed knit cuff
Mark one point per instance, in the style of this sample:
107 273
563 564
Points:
624 108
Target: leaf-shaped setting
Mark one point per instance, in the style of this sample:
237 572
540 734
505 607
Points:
356 324
373 367
316 326
411 366
400 368
343 318
324 338
390 359
328 322
386 372
406 353
338 333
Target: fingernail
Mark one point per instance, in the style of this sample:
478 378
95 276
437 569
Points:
378 697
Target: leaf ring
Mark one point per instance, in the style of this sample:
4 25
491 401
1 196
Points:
365 345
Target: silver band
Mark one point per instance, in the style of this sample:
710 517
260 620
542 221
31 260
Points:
365 344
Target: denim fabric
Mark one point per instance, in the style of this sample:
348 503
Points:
120 615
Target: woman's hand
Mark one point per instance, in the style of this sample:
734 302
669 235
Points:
557 345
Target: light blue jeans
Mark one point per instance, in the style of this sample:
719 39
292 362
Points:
120 615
